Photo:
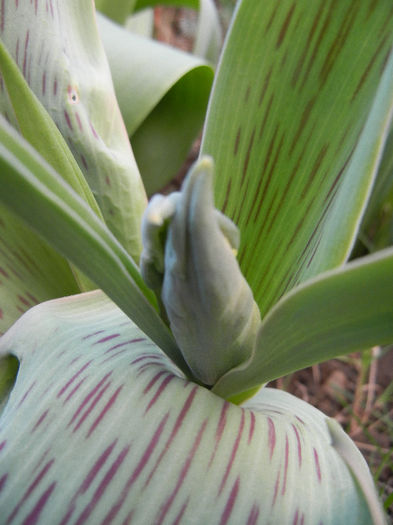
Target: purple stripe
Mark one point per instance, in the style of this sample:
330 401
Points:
103 412
317 465
88 481
88 397
105 339
159 392
103 486
34 515
284 486
139 468
178 423
70 381
233 454
30 490
271 436
230 503
183 474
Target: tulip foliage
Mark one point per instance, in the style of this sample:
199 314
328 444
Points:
137 338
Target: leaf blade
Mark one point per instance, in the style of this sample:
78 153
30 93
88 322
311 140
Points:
106 383
331 315
304 99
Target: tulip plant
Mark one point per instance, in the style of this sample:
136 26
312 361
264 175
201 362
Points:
137 393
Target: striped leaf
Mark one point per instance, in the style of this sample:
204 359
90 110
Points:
57 47
295 134
115 434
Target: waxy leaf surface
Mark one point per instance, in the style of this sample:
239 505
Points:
116 434
297 154
57 47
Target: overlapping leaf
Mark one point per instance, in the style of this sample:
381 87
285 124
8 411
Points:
163 96
58 50
89 381
297 154
342 311
39 196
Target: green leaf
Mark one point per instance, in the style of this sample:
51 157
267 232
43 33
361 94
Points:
37 194
115 433
296 124
339 312
30 270
58 50
163 104
117 11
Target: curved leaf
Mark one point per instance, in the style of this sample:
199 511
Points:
115 433
290 129
162 95
58 50
342 311
37 194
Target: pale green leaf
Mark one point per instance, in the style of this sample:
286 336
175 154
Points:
162 94
59 52
115 434
296 124
38 195
339 312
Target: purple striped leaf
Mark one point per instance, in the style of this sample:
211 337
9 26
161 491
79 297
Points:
101 427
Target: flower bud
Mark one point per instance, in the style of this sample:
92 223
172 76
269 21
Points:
189 250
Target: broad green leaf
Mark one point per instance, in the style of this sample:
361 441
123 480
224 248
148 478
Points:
296 124
38 195
163 105
339 312
116 434
59 52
